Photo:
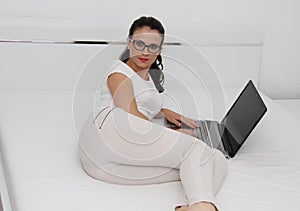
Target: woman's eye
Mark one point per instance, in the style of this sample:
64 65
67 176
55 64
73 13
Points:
140 43
153 46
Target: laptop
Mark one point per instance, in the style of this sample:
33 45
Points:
231 133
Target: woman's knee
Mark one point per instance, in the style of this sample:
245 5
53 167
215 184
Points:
206 154
220 162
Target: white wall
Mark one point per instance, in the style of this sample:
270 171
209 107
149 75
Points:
280 60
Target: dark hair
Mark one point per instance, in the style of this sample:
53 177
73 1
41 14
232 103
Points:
156 68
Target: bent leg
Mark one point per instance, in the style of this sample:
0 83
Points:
128 140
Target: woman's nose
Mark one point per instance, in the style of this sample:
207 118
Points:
145 51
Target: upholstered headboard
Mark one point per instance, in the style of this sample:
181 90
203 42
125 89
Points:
38 55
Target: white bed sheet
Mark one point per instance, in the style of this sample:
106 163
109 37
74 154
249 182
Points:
38 147
291 105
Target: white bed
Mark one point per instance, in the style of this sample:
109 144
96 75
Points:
39 152
38 142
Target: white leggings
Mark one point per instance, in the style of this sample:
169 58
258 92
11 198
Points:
120 148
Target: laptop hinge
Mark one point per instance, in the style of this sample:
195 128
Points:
225 139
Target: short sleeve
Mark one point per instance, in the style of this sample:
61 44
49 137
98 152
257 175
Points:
120 67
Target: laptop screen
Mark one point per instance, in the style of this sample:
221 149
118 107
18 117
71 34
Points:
242 118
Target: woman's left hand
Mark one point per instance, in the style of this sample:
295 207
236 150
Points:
177 119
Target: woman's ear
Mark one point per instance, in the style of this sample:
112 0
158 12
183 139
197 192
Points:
128 42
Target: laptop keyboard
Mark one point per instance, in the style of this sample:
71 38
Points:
203 133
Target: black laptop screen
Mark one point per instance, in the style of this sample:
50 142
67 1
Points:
243 116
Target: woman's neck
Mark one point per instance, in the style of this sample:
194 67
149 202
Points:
143 73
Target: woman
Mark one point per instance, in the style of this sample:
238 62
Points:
120 144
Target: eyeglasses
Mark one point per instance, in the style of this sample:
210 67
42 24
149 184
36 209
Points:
140 46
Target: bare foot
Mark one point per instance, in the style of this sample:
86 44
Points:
202 206
182 208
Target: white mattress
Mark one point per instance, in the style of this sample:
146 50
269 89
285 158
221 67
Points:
291 105
43 172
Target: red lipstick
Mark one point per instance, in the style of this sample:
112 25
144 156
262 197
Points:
143 59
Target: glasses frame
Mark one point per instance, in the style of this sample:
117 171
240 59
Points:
145 46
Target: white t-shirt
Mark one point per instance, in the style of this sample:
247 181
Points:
148 99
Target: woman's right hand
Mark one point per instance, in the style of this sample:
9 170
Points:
178 119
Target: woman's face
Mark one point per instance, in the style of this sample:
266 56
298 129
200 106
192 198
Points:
144 46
